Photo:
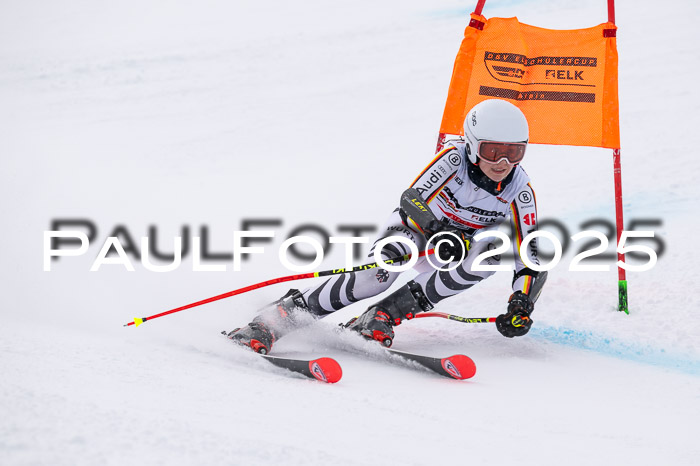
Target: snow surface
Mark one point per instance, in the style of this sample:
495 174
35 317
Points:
176 113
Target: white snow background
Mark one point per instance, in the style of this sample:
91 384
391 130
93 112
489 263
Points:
206 113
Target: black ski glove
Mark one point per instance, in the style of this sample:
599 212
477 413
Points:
516 322
456 244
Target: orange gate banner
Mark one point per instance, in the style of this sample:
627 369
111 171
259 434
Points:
564 81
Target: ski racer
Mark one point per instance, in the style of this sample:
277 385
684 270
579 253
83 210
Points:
471 185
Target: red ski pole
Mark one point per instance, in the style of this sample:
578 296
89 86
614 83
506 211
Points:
465 320
138 321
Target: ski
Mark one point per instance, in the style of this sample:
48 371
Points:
457 366
322 369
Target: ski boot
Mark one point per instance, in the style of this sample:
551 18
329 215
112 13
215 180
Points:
271 324
377 322
256 335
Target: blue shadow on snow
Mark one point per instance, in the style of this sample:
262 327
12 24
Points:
624 350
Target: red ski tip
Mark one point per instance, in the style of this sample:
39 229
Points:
459 366
326 370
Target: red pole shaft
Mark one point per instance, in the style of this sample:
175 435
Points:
261 285
618 207
611 11
617 169
228 295
623 305
442 137
466 320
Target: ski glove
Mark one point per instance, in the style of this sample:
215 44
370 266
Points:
453 243
516 322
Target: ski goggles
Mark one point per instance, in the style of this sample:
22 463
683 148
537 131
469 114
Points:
493 152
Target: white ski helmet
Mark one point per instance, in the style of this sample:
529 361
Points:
496 129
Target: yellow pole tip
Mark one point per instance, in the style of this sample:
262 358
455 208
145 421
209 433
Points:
138 321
